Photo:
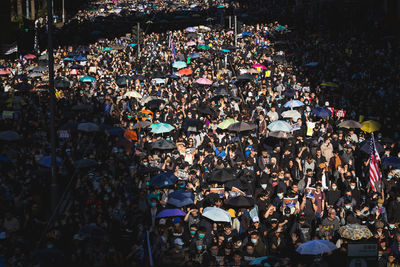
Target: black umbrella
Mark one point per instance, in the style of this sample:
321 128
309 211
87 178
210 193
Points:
82 49
206 110
221 176
123 80
155 104
24 86
192 125
163 144
365 146
240 202
245 77
289 92
62 83
241 127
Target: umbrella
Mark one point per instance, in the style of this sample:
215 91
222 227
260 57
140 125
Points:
294 114
289 92
68 59
161 127
205 110
141 124
321 112
247 34
217 215
4 72
280 134
106 49
180 198
226 123
195 55
46 161
330 84
312 64
158 80
265 261
76 67
370 126
245 77
293 104
225 50
355 232
132 45
133 94
204 81
259 66
155 104
29 56
35 74
82 49
163 179
280 28
62 83
88 127
240 202
316 247
192 125
221 176
171 213
350 124
241 127
4 159
92 231
203 47
87 79
9 136
279 125
138 77
163 144
179 65
222 92
80 58
85 163
123 80
391 161
190 29
185 72
24 86
365 146
191 43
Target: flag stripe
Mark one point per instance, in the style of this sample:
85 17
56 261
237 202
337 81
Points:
374 173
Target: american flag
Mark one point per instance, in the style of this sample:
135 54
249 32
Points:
172 47
374 173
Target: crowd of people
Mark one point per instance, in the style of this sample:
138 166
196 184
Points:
196 149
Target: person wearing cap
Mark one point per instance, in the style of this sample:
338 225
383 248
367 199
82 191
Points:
380 211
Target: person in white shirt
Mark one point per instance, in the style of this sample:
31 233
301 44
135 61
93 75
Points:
272 114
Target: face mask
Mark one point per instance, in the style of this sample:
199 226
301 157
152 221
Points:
202 235
334 187
192 232
352 187
199 247
392 226
390 176
182 185
264 186
348 207
189 116
279 195
153 204
238 244
371 222
253 240
147 183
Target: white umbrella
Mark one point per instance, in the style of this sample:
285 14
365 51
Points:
316 247
133 94
217 215
88 127
294 114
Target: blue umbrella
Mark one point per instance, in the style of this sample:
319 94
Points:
244 15
68 59
190 29
390 161
4 159
76 66
80 58
321 112
132 45
247 34
173 76
170 213
226 50
163 179
279 125
264 261
220 6
195 55
46 161
293 104
180 198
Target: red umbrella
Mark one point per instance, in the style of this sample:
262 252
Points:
29 56
4 72
185 71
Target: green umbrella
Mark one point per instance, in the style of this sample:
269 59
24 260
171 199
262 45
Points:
205 47
87 79
160 127
226 123
107 49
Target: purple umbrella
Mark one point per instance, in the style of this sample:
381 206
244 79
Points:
170 213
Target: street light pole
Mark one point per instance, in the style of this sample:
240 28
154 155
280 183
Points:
63 11
53 185
235 30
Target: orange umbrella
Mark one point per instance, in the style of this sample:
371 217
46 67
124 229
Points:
186 71
145 111
131 135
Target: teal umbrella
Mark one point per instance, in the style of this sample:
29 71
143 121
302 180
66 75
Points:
280 28
159 128
179 65
132 45
107 49
87 79
226 50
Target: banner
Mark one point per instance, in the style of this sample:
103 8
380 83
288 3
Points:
310 191
290 202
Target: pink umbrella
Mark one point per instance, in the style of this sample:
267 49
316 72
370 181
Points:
29 56
73 72
4 72
204 81
191 43
229 32
259 66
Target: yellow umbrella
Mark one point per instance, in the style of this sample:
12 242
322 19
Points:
330 84
370 126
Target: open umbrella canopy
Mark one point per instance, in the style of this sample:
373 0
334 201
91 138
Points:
350 124
391 161
293 114
87 79
321 112
259 66
289 92
280 135
163 144
245 77
192 125
222 92
46 161
316 247
241 127
9 136
62 83
355 232
123 80
217 215
370 126
133 94
24 86
161 127
80 58
4 72
191 43
279 125
203 47
163 179
204 81
240 202
190 29
179 65
293 104
141 124
280 28
185 71
180 198
266 261
29 56
88 127
171 213
226 123
132 45
221 176
365 146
